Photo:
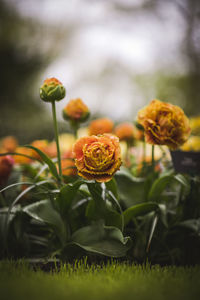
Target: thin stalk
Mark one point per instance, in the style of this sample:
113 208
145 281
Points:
75 127
153 157
144 151
56 137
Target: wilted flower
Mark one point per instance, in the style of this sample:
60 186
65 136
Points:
164 124
6 165
52 90
76 110
192 144
125 131
97 157
101 126
9 143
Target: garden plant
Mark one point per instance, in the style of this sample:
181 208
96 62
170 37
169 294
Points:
111 193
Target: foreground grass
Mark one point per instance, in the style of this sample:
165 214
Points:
114 281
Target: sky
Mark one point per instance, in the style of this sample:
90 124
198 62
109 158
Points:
108 47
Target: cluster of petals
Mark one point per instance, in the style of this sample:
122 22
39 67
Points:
76 110
97 157
164 124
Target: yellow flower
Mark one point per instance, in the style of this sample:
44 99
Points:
101 126
52 90
76 110
97 157
164 124
195 125
192 144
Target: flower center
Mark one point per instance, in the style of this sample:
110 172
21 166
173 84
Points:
98 156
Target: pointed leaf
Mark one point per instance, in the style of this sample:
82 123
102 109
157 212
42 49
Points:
47 160
158 187
139 210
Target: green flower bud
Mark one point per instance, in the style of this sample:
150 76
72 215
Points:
52 90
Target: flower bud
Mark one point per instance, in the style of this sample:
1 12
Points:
76 110
125 131
101 126
52 90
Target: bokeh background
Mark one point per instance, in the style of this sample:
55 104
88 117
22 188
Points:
116 55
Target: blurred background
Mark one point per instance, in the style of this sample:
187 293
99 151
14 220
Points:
116 55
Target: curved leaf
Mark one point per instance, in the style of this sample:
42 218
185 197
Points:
47 160
67 195
104 240
45 212
139 210
158 187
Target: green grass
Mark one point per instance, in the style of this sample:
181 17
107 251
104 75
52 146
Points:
114 281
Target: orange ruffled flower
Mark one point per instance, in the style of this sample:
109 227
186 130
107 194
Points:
97 157
164 124
76 110
125 131
101 126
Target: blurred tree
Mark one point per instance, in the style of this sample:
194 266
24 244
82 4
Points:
25 50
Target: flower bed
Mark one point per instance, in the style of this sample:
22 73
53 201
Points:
110 193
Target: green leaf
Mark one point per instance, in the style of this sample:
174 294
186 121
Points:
67 195
139 210
160 184
158 187
183 181
112 186
45 212
153 227
16 184
20 154
191 224
101 239
47 160
131 190
100 208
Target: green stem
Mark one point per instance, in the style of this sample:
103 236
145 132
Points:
56 137
144 152
152 157
75 127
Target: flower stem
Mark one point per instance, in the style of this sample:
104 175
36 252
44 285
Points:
75 127
56 137
152 157
144 152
